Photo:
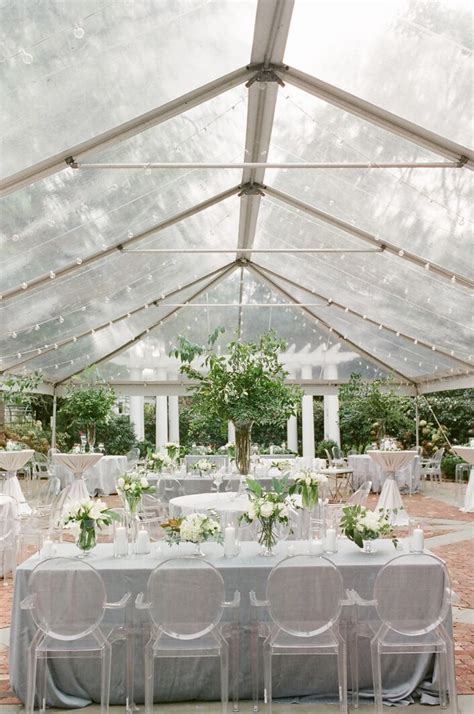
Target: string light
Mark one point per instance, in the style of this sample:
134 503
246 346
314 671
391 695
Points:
78 32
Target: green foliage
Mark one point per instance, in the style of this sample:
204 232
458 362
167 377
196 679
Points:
322 446
144 447
370 410
85 406
247 385
117 435
17 388
32 434
149 418
449 463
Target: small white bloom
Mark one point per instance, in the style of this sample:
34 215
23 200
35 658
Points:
120 482
308 480
144 482
266 509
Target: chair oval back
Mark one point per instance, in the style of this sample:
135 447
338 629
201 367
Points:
360 496
68 598
305 595
412 593
186 597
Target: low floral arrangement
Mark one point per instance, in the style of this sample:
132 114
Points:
359 525
269 508
194 528
282 465
87 516
200 450
157 462
174 451
131 486
228 450
14 446
203 466
307 484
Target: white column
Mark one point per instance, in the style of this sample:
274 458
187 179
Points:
292 433
173 406
230 432
136 408
161 416
331 408
307 416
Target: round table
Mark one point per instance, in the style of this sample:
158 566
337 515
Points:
390 499
101 478
467 453
12 461
77 463
228 502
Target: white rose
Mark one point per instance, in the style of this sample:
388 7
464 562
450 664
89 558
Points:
120 482
266 509
308 481
144 482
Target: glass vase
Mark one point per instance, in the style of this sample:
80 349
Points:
267 538
197 552
369 546
242 448
91 436
87 538
133 523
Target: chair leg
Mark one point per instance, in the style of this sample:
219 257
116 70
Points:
31 686
354 657
224 676
342 676
443 680
451 678
42 674
235 666
254 648
377 676
149 678
267 676
105 679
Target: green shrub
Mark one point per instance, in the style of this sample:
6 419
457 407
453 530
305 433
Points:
117 436
448 465
322 446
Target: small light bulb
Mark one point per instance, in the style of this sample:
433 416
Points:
401 253
61 319
18 355
15 237
453 279
14 335
427 266
24 286
79 261
37 327
78 32
52 274
26 57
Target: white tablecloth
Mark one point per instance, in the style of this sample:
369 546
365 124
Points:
100 478
11 461
467 453
230 502
77 464
366 469
390 499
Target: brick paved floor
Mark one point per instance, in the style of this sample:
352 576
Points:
458 556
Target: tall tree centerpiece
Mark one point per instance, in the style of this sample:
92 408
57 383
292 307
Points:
87 406
246 385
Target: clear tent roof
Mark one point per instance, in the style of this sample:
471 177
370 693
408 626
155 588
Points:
361 257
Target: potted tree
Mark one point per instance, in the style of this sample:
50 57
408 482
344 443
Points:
87 406
245 386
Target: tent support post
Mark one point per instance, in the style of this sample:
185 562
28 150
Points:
417 422
53 421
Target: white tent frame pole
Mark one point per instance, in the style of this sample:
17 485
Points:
125 316
130 128
462 381
360 350
143 333
249 165
417 425
272 25
241 294
378 116
254 250
365 318
53 420
76 266
395 250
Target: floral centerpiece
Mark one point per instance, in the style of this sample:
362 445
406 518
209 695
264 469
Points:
363 526
14 446
131 486
194 528
307 483
269 508
157 462
281 465
204 466
228 450
87 516
174 451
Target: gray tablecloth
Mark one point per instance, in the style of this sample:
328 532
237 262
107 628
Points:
75 683
189 485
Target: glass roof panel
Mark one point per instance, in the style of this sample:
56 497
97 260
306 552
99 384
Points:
419 45
51 53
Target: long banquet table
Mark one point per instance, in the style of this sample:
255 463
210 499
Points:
75 682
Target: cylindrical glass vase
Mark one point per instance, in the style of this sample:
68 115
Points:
242 448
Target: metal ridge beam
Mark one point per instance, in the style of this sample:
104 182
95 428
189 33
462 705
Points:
272 25
384 245
98 328
360 350
380 117
81 263
143 333
130 128
329 302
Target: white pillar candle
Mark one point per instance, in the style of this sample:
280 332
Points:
120 541
47 551
291 550
418 539
229 541
331 540
316 546
143 542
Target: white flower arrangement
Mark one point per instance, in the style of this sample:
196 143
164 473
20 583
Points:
194 528
132 485
204 466
359 524
307 483
282 465
88 510
269 508
173 450
157 462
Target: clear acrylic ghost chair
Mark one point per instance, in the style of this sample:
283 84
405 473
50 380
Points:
461 478
169 488
432 467
304 598
186 601
359 497
67 601
398 623
9 525
151 506
132 457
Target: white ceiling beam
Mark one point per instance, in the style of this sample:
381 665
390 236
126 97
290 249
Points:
80 263
130 128
330 302
272 25
463 381
223 273
380 117
380 243
360 350
269 165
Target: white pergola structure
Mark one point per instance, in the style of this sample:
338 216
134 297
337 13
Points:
264 197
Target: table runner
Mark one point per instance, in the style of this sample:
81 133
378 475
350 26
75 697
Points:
76 682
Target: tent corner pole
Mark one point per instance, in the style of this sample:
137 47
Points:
53 421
